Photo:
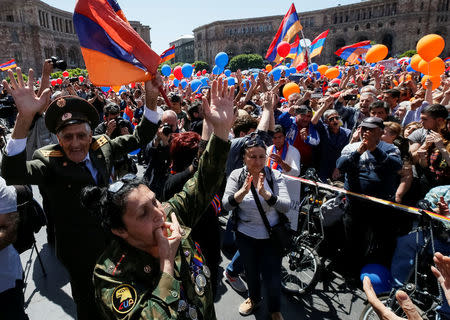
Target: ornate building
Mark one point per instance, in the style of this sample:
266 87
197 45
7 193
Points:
184 49
398 24
31 31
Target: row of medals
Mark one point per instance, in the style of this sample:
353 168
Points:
199 285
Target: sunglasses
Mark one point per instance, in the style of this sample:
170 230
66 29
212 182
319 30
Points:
334 118
117 186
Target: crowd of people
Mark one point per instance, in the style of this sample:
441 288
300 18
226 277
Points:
152 244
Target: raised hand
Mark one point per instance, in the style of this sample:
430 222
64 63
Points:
442 273
27 102
152 91
260 187
240 194
382 311
220 112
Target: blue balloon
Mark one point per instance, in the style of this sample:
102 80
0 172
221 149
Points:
176 82
227 72
183 84
340 75
221 59
380 277
166 70
317 74
217 70
231 81
373 64
410 69
313 67
105 89
286 71
186 70
204 81
356 66
195 85
288 65
276 74
292 70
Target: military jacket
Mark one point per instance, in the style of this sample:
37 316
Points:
128 282
79 237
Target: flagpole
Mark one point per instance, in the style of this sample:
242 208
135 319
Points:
306 47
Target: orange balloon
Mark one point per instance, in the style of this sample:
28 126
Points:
415 60
269 68
171 76
332 73
289 89
377 53
430 46
322 69
435 67
436 81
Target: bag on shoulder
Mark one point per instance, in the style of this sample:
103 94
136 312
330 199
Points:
31 219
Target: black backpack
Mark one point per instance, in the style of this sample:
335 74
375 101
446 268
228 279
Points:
31 219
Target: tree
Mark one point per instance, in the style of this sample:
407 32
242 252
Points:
200 65
246 61
408 53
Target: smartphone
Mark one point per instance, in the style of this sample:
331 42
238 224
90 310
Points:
350 97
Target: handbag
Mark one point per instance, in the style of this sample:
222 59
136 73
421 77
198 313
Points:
281 233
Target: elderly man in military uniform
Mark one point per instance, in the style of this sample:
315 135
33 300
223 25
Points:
64 169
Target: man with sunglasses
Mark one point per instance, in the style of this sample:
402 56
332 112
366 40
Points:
333 138
370 167
62 170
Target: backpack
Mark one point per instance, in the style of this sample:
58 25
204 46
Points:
31 219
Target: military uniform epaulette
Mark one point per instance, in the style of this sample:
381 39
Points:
99 142
51 153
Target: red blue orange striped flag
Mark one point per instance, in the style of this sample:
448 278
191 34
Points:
317 44
168 54
353 52
294 48
113 51
8 65
289 27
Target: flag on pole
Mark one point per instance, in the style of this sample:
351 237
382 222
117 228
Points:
294 48
8 65
289 27
353 52
168 54
113 51
302 56
317 44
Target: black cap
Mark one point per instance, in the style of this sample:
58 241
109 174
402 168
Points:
70 110
372 122
111 108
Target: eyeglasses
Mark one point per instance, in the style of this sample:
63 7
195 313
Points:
116 186
337 118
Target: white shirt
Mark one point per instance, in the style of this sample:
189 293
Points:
292 159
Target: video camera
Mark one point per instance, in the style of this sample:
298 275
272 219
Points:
167 129
120 123
59 63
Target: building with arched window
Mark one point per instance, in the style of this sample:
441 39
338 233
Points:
398 24
32 31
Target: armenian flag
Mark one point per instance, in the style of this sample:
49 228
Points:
447 60
113 51
168 54
302 56
8 65
317 44
289 27
353 52
294 48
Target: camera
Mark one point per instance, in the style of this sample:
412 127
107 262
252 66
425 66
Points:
59 63
167 129
350 97
121 123
73 80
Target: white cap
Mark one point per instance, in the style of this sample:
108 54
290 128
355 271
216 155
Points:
8 198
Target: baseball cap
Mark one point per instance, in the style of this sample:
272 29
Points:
372 122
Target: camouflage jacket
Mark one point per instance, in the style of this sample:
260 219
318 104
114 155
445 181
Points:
128 282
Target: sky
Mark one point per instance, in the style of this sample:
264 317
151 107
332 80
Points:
171 19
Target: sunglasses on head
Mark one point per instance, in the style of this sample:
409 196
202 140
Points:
117 186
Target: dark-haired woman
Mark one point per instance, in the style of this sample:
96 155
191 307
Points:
153 270
258 252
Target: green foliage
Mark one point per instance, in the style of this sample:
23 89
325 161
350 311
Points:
341 62
72 73
408 53
176 64
200 65
246 61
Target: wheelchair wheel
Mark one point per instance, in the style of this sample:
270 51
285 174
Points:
300 270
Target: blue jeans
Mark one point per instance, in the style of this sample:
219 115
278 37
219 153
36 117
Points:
404 257
261 258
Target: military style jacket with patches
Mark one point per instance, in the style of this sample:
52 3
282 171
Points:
79 237
128 282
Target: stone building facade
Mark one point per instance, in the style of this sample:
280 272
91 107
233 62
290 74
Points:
31 31
398 24
184 49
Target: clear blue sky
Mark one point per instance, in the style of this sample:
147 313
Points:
169 19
